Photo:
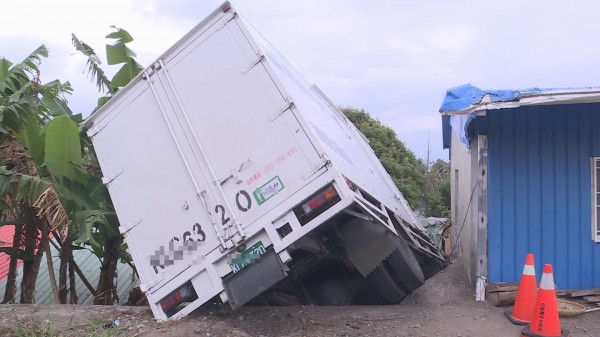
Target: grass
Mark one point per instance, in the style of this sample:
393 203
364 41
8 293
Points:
46 328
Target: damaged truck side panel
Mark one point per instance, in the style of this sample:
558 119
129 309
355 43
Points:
233 177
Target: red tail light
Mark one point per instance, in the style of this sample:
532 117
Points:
182 294
316 204
319 200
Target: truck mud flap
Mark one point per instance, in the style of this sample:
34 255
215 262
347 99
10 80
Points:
367 244
255 278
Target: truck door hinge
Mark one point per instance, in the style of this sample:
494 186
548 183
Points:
95 129
289 104
153 69
323 162
212 218
260 57
231 14
235 173
109 179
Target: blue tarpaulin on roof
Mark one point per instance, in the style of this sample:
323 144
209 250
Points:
464 96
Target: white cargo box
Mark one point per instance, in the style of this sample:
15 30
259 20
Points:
210 149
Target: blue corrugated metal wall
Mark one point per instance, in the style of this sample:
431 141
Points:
539 192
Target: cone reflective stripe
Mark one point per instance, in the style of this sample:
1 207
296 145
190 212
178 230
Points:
545 322
526 295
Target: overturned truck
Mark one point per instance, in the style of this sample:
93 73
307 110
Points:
234 179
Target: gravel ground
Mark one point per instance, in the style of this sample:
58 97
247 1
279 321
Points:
444 306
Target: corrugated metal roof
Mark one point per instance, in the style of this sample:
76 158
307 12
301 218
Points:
6 239
466 99
462 103
539 188
90 267
7 233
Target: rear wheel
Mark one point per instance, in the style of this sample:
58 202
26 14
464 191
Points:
405 267
430 265
381 279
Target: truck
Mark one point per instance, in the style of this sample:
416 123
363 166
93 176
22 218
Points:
235 180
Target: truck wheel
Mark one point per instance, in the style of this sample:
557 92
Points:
381 279
430 265
405 267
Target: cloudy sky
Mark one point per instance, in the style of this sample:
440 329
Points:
393 58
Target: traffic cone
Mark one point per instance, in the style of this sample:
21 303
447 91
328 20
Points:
544 321
526 295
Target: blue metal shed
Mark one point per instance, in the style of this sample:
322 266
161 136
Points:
533 166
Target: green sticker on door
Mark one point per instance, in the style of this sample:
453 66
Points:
268 190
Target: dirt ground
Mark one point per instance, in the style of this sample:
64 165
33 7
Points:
444 306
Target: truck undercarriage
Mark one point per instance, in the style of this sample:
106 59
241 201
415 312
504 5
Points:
323 272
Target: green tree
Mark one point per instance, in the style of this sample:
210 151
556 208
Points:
426 187
50 181
98 226
29 200
397 159
437 188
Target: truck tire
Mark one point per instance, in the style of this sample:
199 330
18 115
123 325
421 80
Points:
381 279
430 265
405 267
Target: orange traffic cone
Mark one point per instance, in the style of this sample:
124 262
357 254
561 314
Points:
526 295
544 321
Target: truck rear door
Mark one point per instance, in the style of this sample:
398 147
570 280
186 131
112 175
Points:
241 125
148 176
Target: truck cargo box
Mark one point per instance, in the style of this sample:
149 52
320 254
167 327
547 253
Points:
231 176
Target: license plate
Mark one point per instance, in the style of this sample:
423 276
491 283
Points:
249 256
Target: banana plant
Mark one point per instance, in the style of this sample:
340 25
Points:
98 226
116 53
26 106
50 175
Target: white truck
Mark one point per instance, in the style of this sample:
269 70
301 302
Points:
235 180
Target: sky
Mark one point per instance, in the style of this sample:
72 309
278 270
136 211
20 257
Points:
393 58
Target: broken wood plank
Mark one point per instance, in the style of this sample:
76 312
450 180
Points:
501 298
585 292
591 299
501 287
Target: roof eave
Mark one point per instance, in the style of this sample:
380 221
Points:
550 97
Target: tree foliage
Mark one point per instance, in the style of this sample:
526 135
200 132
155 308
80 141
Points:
49 175
116 53
397 159
421 185
98 225
437 188
27 190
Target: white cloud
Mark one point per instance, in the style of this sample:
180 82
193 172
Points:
395 59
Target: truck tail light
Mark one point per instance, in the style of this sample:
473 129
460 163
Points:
185 293
319 200
316 204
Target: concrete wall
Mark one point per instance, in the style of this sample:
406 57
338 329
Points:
465 196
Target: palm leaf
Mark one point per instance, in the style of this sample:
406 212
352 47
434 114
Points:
4 68
50 208
21 187
93 63
127 72
63 150
31 62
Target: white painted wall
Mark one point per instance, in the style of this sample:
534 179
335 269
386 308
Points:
463 180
